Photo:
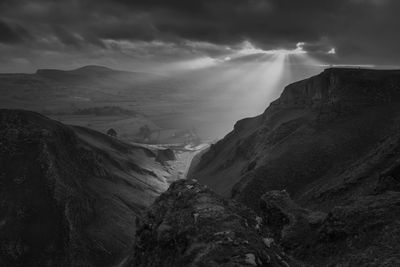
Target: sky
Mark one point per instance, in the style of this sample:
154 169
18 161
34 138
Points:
150 35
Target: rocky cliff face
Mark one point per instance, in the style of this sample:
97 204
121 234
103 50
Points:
351 87
69 196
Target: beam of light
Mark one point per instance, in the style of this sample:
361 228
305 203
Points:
244 89
239 84
233 90
247 49
261 83
188 65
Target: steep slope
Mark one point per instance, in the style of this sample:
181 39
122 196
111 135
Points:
332 144
69 196
326 139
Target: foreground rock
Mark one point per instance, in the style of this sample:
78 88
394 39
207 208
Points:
191 226
69 196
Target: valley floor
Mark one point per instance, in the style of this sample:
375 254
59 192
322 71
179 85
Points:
185 155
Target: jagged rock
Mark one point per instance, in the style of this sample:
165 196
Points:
191 226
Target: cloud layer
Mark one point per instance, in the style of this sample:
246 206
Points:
49 33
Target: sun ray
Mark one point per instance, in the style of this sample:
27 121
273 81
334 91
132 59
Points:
242 83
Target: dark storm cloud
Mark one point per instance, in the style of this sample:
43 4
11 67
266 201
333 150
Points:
359 30
269 22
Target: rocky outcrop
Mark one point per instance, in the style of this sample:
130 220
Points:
69 196
191 226
341 88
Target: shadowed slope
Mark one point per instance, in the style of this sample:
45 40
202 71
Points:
69 196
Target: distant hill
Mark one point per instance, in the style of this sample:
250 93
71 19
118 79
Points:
90 70
55 90
99 91
69 195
